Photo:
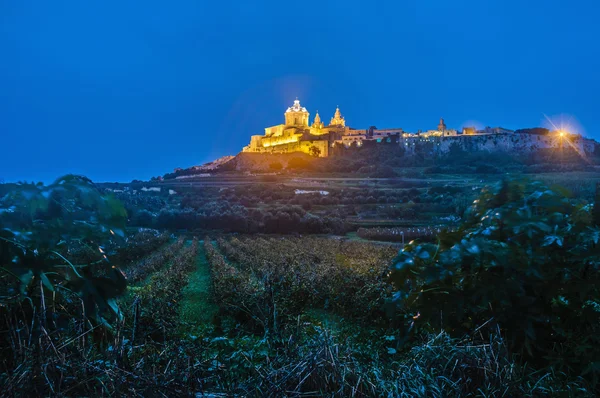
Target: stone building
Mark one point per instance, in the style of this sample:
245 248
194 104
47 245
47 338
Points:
442 125
441 131
384 135
296 134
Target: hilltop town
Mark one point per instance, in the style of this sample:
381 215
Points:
318 139
298 138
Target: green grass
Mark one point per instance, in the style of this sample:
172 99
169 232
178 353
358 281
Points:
197 306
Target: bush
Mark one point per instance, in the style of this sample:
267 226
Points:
45 230
525 261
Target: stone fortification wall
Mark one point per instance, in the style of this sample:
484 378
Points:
261 162
298 146
512 142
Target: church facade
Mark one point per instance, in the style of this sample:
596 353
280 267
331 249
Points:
296 134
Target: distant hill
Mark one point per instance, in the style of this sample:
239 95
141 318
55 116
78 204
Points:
206 168
532 149
215 164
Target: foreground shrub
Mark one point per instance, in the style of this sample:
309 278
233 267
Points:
318 362
526 261
59 239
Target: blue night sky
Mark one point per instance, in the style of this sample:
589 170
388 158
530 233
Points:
118 90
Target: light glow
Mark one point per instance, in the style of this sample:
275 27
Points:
280 142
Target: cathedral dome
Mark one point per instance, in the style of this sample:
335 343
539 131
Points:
296 115
296 107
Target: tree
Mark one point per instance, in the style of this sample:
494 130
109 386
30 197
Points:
53 238
525 261
314 151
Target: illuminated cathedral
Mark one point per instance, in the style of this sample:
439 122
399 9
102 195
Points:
298 135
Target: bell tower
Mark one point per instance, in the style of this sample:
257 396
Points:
442 125
337 119
317 124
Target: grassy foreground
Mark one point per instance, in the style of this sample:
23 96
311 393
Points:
197 307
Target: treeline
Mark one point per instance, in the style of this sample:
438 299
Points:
237 218
270 208
403 192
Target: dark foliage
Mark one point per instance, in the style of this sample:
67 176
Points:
60 237
525 261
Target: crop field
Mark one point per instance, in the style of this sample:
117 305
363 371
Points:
258 316
239 289
155 314
269 283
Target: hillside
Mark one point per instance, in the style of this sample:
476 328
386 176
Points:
257 162
481 154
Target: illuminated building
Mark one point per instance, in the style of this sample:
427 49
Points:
337 119
469 130
298 135
442 125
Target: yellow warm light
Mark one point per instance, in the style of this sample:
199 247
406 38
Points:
279 142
